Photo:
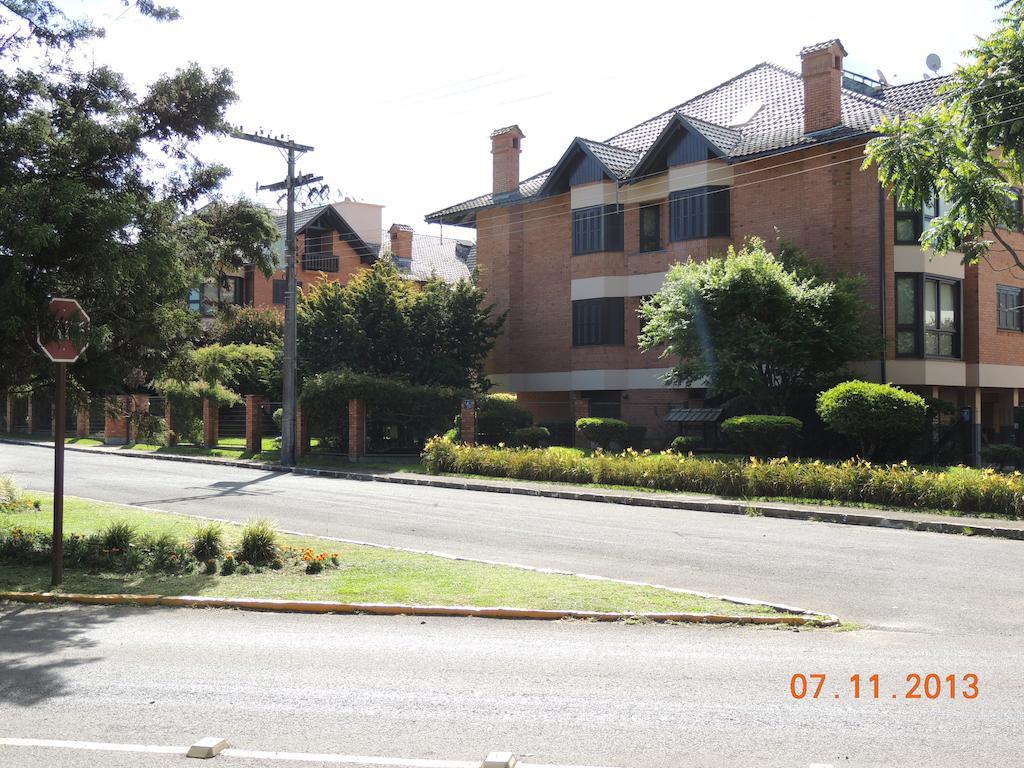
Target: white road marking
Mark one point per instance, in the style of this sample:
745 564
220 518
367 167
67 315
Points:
303 757
102 746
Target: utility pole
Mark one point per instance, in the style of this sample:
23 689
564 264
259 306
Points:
289 185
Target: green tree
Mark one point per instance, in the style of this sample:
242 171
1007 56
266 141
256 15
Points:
755 328
968 149
94 183
875 415
381 324
249 325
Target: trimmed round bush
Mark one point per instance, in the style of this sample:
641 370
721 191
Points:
531 437
604 432
872 414
498 416
1003 454
762 434
684 443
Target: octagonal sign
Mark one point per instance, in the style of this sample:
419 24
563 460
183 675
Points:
62 336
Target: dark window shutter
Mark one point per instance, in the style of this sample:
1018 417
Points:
613 239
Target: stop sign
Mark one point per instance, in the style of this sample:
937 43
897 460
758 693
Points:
62 336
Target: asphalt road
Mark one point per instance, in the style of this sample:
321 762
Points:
568 693
902 580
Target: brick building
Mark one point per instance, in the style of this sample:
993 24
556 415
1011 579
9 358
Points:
334 242
572 251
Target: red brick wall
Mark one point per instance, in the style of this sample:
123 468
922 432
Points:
983 341
348 264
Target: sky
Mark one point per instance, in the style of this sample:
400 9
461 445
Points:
399 98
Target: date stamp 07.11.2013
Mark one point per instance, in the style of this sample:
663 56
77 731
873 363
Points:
914 686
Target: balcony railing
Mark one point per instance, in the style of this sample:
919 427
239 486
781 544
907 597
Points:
319 260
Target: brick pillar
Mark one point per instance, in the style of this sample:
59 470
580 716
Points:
301 433
580 410
467 421
9 415
115 419
356 430
254 423
82 419
29 424
210 426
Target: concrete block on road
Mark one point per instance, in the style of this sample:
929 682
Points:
499 760
206 748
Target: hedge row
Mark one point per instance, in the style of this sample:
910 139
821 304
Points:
962 490
327 394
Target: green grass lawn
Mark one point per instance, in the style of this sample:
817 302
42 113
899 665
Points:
366 575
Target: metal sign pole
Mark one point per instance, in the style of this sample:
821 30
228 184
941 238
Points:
57 574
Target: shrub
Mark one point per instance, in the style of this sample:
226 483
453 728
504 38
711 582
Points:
452 435
9 490
148 428
872 414
228 566
119 536
604 432
684 443
498 416
762 435
169 555
532 437
258 544
207 541
959 489
1004 454
249 325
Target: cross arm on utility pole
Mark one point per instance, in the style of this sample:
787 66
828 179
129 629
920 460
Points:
270 141
299 181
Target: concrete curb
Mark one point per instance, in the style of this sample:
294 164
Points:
721 506
388 609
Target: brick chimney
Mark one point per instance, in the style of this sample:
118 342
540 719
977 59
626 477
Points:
401 241
822 72
505 147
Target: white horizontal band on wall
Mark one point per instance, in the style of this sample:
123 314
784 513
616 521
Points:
943 373
566 381
913 258
616 285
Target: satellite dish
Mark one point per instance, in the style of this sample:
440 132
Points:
881 77
933 62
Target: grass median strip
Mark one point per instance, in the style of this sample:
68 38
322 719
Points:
364 575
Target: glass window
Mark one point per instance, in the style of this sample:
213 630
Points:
906 315
597 228
1008 307
598 321
927 316
941 317
906 300
650 227
909 225
947 305
700 212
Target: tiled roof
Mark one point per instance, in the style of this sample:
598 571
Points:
777 124
821 47
618 160
432 257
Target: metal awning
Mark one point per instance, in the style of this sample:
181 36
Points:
694 415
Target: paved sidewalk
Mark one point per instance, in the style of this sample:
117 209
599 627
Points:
843 515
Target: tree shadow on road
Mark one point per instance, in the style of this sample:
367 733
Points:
39 648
